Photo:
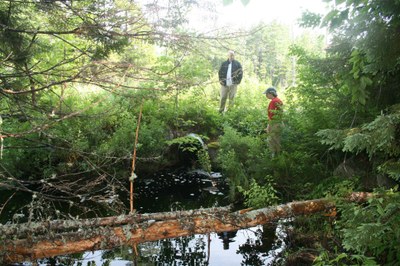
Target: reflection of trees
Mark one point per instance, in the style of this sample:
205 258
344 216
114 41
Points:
124 253
63 260
254 249
191 250
251 252
179 251
182 251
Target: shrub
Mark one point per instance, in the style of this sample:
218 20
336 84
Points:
260 196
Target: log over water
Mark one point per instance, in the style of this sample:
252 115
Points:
40 240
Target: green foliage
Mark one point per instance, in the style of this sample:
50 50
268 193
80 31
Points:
252 124
296 173
364 37
352 83
241 158
324 259
316 96
391 168
260 196
234 171
195 70
46 45
377 138
66 128
331 137
187 143
268 49
335 187
310 20
360 79
372 229
204 160
249 114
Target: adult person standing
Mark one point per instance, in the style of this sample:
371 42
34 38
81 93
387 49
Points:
274 127
230 75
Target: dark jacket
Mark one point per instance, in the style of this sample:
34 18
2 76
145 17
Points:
237 72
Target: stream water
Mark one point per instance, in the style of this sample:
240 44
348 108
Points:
183 190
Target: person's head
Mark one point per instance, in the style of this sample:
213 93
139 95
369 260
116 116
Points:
231 55
270 93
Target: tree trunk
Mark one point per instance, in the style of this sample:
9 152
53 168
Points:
69 237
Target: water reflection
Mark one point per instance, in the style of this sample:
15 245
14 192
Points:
245 247
227 237
259 245
180 190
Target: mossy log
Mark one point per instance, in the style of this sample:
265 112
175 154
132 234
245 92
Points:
69 237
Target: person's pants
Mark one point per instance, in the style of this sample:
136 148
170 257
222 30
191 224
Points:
274 138
227 92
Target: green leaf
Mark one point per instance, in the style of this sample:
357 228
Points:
366 81
329 17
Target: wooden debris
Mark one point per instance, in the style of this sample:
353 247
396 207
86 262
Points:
54 238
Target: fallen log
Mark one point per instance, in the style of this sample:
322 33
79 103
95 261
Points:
132 232
17 231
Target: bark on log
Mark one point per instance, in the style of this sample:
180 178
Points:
133 232
17 231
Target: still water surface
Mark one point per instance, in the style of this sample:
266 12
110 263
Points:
183 190
219 254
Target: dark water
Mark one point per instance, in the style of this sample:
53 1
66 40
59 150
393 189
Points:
184 190
244 247
180 190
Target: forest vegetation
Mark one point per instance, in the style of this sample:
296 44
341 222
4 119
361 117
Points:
75 76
